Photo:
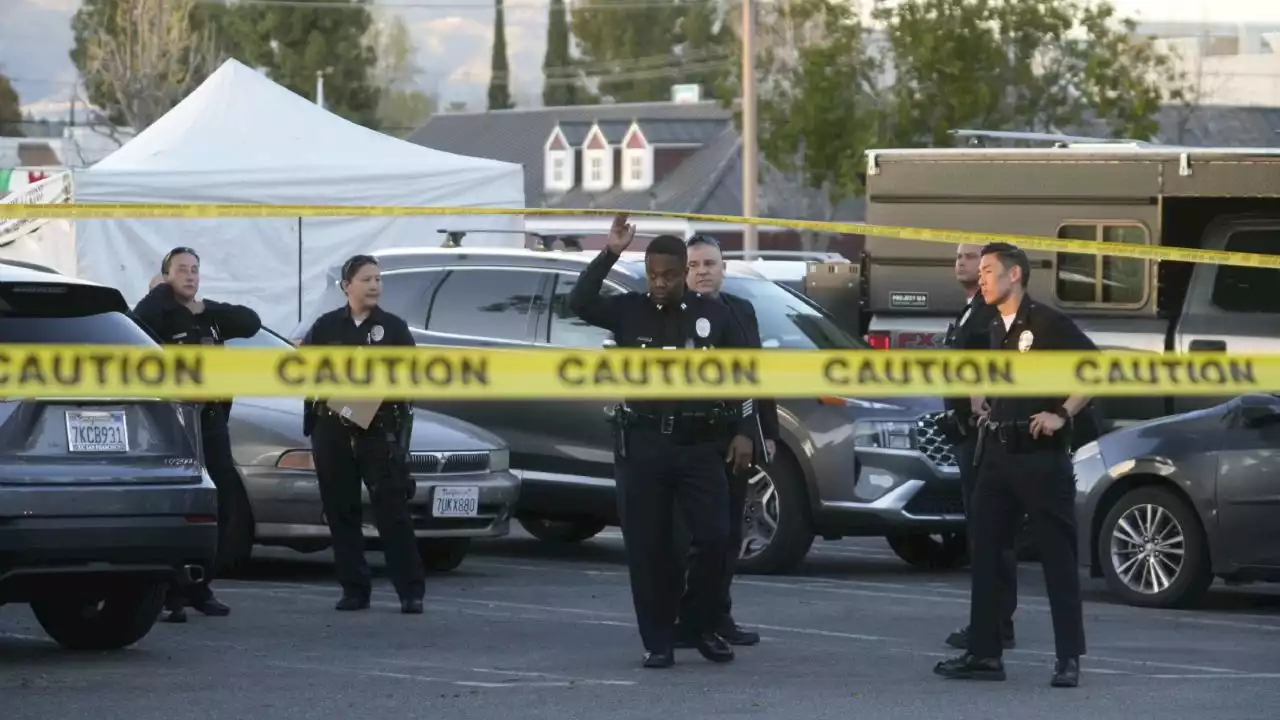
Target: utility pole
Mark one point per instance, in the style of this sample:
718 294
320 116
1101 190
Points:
750 238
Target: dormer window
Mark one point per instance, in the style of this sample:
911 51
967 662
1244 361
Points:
597 162
558 163
637 160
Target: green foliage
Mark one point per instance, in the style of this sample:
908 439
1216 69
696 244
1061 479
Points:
402 105
499 68
293 43
637 51
560 72
10 108
1038 65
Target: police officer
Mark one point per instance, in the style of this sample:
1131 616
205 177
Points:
706 276
345 453
1024 462
971 331
670 453
173 312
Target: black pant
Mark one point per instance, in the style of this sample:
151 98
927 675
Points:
657 476
1007 576
733 549
1042 484
221 467
344 455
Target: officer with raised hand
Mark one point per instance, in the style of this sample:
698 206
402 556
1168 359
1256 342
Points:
173 312
972 331
345 453
670 453
1024 463
706 276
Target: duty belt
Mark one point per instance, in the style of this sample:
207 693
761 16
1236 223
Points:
1016 435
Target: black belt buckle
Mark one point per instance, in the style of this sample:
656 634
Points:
667 425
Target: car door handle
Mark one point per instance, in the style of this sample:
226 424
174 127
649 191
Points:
1208 346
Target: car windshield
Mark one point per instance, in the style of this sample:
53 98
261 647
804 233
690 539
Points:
264 338
788 320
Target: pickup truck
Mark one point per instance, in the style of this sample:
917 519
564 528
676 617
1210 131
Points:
1225 199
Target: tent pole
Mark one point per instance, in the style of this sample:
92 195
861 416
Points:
299 269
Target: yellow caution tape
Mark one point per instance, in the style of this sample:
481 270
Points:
423 373
95 211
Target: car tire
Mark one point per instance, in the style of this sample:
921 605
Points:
562 531
234 559
443 554
927 552
112 619
794 535
1192 577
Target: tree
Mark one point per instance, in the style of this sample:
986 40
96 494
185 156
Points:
1038 65
637 51
559 72
402 105
306 39
139 58
499 68
10 108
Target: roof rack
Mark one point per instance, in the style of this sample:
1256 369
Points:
978 138
542 241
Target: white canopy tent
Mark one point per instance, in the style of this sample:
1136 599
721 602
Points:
241 138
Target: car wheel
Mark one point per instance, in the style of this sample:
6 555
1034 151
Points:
443 554
237 550
777 531
1153 550
948 551
562 531
111 619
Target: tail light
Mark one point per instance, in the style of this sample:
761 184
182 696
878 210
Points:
879 340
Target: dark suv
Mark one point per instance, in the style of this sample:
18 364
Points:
103 501
900 483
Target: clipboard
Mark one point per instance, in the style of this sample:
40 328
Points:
359 411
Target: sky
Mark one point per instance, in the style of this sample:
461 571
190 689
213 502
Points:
453 42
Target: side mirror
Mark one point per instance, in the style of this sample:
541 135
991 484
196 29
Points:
1259 410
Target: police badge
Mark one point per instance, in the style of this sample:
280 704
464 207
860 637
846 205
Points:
1025 340
375 335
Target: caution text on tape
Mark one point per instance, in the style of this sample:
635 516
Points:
108 211
425 373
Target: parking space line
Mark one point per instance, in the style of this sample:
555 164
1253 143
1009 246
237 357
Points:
514 673
426 678
905 643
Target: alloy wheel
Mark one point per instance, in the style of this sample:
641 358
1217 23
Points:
1148 548
760 515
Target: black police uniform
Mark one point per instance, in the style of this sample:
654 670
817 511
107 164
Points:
670 454
174 324
743 314
1017 473
345 453
972 331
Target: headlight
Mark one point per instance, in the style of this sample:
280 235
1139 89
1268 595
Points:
499 460
1086 451
890 434
296 460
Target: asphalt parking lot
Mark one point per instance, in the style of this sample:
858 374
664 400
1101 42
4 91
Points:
527 631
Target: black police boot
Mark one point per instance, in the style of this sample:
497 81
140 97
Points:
734 634
1066 673
713 647
411 606
960 639
970 667
661 659
212 607
349 603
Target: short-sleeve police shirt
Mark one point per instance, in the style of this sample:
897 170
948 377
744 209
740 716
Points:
1035 327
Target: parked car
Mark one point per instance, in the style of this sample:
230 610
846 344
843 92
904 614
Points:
1167 505
279 503
103 501
845 466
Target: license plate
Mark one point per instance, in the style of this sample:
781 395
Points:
456 502
94 431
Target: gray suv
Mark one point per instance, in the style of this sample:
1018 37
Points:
103 501
846 467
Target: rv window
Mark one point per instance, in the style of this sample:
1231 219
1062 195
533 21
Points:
1101 280
1246 289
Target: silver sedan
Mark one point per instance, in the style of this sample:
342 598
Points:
465 488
